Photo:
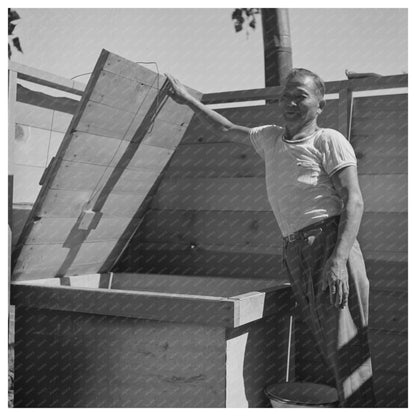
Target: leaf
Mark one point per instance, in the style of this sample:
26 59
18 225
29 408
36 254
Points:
238 26
237 14
11 28
13 15
16 44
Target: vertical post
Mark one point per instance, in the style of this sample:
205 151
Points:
277 45
11 134
345 112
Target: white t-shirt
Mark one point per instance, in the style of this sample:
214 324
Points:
299 187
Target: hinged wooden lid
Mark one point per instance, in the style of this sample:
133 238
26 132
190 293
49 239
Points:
96 189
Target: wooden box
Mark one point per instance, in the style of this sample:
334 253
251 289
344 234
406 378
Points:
127 340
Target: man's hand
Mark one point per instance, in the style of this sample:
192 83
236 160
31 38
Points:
177 91
335 275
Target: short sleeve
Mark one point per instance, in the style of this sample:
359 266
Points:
337 151
263 138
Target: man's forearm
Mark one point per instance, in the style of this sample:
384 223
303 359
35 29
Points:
215 120
348 227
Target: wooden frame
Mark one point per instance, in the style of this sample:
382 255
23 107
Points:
87 294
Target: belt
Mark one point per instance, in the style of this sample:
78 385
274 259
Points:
313 229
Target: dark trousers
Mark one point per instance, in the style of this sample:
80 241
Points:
338 336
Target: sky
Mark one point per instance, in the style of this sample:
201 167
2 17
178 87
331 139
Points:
201 48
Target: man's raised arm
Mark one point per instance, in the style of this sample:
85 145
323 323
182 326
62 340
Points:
219 124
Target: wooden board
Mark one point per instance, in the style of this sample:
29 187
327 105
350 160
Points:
230 194
389 350
163 258
383 232
388 310
43 118
332 87
191 285
209 310
237 230
100 182
375 104
215 160
381 193
387 275
85 360
384 193
40 99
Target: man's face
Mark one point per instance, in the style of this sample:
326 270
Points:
300 102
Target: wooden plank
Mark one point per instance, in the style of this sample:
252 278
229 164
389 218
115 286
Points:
56 230
396 116
258 232
384 193
40 99
61 121
162 258
48 79
388 350
344 111
116 91
254 116
42 118
167 307
191 285
395 256
119 362
366 84
164 135
391 389
380 143
10 169
26 183
384 232
231 194
367 106
69 204
127 69
102 120
249 194
388 311
20 215
58 257
366 126
387 275
31 146
214 160
237 230
76 176
380 163
12 91
247 370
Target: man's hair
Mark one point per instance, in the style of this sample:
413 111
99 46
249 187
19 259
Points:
320 85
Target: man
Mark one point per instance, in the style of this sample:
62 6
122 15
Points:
312 186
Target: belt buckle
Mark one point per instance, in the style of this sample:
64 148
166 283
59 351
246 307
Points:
312 232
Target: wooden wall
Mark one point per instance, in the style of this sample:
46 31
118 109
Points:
210 216
41 121
379 137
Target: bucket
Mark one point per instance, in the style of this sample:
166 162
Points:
302 395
